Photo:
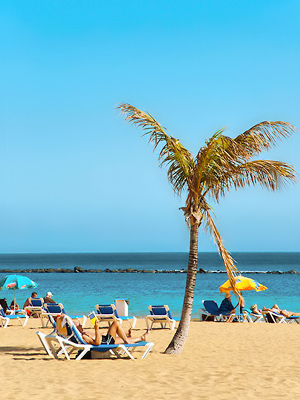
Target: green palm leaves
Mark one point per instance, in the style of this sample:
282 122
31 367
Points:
223 163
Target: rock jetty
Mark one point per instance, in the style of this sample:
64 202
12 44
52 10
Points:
131 271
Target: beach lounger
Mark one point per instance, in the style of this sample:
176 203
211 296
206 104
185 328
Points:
109 314
254 317
211 311
52 310
5 319
160 315
273 317
66 339
36 309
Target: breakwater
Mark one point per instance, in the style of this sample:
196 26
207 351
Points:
132 271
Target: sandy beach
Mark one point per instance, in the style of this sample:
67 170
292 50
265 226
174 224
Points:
219 361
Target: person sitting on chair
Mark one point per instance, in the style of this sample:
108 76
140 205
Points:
48 299
226 306
115 334
241 306
14 305
27 303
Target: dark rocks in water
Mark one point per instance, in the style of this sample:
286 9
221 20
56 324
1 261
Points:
131 271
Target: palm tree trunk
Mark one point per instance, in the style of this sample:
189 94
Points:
177 343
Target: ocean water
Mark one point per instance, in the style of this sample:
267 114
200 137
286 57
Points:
80 292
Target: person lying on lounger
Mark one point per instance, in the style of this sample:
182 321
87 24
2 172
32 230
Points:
115 334
277 310
255 310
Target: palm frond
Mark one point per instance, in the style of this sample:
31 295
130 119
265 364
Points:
267 173
263 136
179 160
229 264
216 160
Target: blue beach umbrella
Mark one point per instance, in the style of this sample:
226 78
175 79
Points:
16 282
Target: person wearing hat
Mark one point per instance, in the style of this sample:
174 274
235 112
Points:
48 298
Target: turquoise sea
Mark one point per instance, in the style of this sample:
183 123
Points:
79 292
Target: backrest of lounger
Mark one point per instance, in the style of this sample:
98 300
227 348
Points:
54 308
77 338
211 306
106 309
36 302
159 310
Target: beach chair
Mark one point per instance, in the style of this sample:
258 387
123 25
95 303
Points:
273 317
36 309
211 311
5 319
52 310
254 317
160 315
66 339
108 313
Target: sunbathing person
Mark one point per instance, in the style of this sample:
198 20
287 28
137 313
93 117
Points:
255 310
275 309
115 334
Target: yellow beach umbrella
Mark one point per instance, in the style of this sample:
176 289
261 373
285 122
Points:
242 283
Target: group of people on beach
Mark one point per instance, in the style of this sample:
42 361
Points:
115 335
275 309
227 307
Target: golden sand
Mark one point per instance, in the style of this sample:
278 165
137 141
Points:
219 361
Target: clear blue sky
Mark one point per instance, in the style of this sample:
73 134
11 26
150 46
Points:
74 177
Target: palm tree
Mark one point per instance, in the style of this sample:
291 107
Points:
221 164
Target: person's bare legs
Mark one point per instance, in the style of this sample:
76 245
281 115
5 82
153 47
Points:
116 329
98 336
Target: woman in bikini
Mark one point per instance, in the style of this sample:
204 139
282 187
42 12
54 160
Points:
285 313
